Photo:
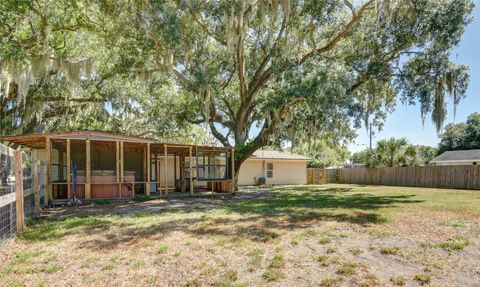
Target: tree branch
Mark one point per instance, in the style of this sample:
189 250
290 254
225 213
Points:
333 42
205 28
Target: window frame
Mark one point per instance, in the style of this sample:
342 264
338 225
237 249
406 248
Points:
269 171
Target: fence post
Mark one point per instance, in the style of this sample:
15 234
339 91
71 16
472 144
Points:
19 191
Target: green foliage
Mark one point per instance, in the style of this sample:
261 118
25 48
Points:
323 153
272 274
462 135
141 198
103 202
394 152
422 279
291 70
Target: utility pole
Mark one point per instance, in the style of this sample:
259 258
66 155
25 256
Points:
371 134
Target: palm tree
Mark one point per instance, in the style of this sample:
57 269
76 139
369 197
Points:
391 152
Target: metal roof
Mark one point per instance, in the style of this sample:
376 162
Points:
278 155
458 156
37 141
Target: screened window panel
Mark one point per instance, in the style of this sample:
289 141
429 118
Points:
212 165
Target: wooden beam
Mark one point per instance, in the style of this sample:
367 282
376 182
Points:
190 170
182 172
60 161
48 174
149 164
69 187
174 171
20 212
88 191
232 184
36 182
122 164
165 167
117 161
159 180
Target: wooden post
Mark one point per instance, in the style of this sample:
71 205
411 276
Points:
19 191
158 177
60 162
69 187
122 174
149 164
88 191
48 179
232 183
117 161
190 171
174 172
182 172
165 167
36 182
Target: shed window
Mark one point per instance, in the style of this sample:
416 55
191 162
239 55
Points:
269 170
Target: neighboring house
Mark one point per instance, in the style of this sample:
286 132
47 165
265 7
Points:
275 166
458 157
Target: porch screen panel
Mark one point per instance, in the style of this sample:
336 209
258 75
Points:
78 156
212 165
59 161
103 162
134 161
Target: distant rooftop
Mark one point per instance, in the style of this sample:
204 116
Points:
458 156
274 154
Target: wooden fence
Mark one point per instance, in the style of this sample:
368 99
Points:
456 177
321 176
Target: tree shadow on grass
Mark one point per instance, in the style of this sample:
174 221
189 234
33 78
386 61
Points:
252 219
289 203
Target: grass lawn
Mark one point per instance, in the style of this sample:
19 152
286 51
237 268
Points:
330 235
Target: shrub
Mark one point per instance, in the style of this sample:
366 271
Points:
330 282
399 281
273 274
389 250
347 269
141 198
423 279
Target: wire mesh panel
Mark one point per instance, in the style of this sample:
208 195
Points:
7 192
28 195
135 163
103 162
79 159
212 165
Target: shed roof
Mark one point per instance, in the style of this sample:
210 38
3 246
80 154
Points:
278 155
458 156
37 141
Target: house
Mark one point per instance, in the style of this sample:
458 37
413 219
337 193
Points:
276 167
458 157
99 165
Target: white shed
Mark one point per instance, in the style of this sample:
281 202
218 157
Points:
276 167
